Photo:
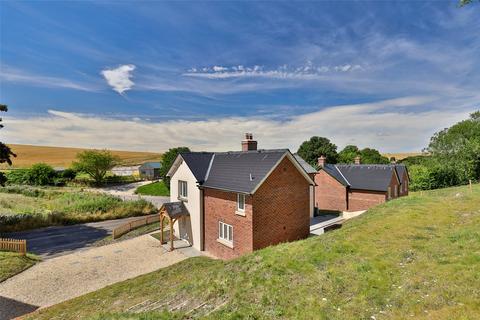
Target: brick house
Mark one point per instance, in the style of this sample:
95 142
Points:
355 187
241 201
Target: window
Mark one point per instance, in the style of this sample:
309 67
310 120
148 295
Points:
225 232
182 189
241 202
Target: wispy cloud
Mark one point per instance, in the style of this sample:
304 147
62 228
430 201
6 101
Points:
389 125
120 78
14 75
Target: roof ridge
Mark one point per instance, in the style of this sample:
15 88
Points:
342 175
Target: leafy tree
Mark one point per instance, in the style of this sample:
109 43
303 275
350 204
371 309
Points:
167 162
3 179
95 163
5 152
69 174
41 174
372 156
312 149
348 154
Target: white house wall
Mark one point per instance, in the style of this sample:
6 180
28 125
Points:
189 228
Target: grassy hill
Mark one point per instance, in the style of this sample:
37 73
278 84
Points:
63 156
402 155
416 257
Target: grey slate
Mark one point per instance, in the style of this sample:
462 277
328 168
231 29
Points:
305 165
367 177
151 165
332 170
198 162
241 171
401 168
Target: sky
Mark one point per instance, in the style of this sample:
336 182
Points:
146 75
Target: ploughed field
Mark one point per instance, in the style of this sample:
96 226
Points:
416 257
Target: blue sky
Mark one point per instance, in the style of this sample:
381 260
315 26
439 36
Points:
153 75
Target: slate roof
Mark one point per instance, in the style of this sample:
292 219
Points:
151 165
175 209
332 170
241 171
305 165
401 169
367 177
198 162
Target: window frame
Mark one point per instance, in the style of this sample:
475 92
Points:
225 233
239 196
182 183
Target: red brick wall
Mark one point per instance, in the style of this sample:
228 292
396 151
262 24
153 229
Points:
364 199
329 193
281 207
407 182
221 206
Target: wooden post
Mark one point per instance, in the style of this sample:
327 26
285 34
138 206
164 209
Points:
161 228
470 182
171 234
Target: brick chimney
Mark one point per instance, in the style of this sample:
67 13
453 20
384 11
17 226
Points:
357 160
249 144
322 161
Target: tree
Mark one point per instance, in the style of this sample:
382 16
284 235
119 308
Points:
348 154
95 163
41 174
167 162
5 151
372 156
3 179
312 149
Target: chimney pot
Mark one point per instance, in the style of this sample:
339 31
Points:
322 161
357 160
249 144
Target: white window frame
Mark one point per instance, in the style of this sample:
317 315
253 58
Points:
241 199
225 234
182 189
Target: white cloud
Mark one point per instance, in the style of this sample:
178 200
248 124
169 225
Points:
391 125
120 78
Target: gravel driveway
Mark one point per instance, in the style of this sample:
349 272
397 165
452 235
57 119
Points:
65 277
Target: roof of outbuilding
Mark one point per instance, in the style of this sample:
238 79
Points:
241 171
305 165
401 169
175 209
151 165
198 162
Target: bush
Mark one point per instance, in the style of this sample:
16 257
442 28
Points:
68 174
3 179
23 190
41 174
18 176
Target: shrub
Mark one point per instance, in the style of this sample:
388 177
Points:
68 174
41 174
3 179
18 176
23 190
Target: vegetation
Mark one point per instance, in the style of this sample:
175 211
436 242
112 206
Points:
367 155
5 151
129 235
95 163
415 257
312 149
167 162
12 263
27 208
154 189
40 174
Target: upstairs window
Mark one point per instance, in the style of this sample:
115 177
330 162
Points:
241 202
182 189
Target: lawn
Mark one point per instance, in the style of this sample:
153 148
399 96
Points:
154 189
416 257
12 263
25 207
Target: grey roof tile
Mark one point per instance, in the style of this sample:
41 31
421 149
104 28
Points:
305 165
198 162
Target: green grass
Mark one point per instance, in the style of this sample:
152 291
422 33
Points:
132 234
12 263
25 208
416 257
154 189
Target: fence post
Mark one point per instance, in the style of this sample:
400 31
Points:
470 182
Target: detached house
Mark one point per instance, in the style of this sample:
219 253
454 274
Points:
237 202
355 187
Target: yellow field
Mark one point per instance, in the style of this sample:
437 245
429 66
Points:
400 156
63 156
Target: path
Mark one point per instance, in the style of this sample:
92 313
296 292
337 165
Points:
69 276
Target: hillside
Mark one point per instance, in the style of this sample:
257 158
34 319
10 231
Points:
402 155
63 156
414 257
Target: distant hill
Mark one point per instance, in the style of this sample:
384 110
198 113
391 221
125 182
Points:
402 155
64 156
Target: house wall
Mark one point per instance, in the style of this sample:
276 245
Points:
188 228
329 193
222 206
281 207
365 199
405 186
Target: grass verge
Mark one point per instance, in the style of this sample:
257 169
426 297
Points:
415 257
154 189
12 263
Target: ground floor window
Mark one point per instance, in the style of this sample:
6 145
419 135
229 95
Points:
225 232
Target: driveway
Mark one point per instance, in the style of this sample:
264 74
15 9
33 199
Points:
59 240
69 276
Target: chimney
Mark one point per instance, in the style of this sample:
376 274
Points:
322 161
249 144
357 160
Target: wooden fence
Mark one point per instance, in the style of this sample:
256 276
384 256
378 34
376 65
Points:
15 245
129 226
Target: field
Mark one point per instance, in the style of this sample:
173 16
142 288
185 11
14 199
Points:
12 263
400 155
63 157
27 207
416 257
154 189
